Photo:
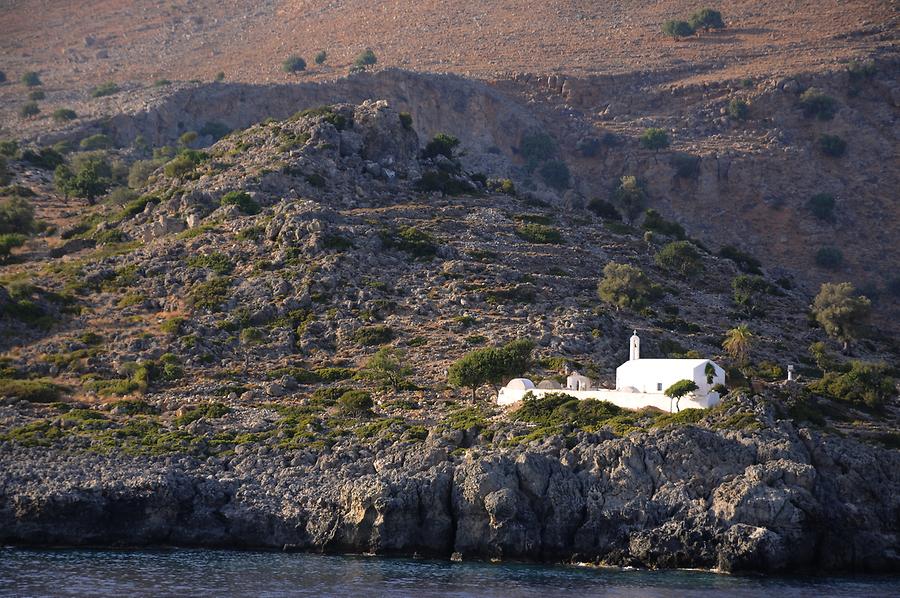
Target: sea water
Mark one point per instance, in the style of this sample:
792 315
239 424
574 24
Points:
219 573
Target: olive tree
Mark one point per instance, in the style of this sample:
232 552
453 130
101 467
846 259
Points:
841 312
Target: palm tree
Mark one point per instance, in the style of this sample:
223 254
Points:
738 342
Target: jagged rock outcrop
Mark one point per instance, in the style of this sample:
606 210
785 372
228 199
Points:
679 497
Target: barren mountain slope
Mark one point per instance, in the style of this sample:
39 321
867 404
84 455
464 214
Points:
84 42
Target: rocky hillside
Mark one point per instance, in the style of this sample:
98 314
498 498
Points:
251 349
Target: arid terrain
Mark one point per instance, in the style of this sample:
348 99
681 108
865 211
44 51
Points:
232 298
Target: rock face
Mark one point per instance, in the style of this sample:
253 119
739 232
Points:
781 499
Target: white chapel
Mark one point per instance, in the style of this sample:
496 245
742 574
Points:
639 383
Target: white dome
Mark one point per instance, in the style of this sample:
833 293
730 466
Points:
520 384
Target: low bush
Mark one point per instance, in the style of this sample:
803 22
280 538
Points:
555 174
676 29
865 384
814 102
184 164
8 242
624 285
31 79
366 59
536 148
45 158
64 115
104 89
707 19
440 180
539 233
320 58
654 139
738 109
16 216
441 145
219 263
210 294
355 402
501 186
630 196
681 257
36 95
293 64
822 206
30 109
653 221
604 209
95 142
209 411
378 334
830 258
743 260
832 145
242 200
40 390
414 241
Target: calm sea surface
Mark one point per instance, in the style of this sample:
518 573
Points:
225 573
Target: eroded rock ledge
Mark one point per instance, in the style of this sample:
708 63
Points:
780 499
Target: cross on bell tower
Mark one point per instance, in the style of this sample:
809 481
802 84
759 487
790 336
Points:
635 346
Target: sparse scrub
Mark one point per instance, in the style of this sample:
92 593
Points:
39 390
16 215
242 200
815 103
105 89
625 286
321 57
832 145
654 139
355 402
31 79
822 206
738 109
681 257
830 258
653 221
865 384
707 19
36 95
29 109
366 59
387 368
218 263
95 142
64 115
414 241
8 242
378 334
539 233
209 295
677 29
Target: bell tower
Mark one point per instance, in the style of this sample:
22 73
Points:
635 347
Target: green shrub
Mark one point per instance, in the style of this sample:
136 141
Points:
30 109
707 19
335 374
865 383
439 180
209 411
184 164
536 148
8 242
95 142
738 109
555 174
539 233
136 206
242 200
39 390
656 223
219 263
9 148
36 95
293 64
841 313
490 365
624 285
104 89
64 114
822 206
748 290
604 209
387 369
629 196
16 216
220 76
91 179
814 102
411 240
501 186
134 407
252 336
377 334
321 56
832 145
355 402
406 120
830 258
676 29
681 257
172 326
31 79
654 139
140 171
744 261
46 158
441 145
209 295
366 59
328 114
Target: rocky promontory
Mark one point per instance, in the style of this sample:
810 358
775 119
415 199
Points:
773 499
